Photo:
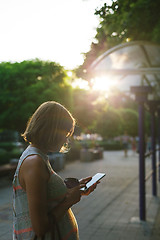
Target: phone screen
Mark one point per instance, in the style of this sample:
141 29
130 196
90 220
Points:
94 179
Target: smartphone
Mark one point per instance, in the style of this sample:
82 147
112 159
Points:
95 178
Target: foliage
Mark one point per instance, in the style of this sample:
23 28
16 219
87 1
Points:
114 118
8 146
136 20
109 123
4 157
25 85
118 99
108 117
84 109
129 121
9 136
120 21
8 151
111 145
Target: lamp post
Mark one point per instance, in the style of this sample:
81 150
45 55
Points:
159 138
141 93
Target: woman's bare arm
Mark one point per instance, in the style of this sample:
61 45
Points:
33 177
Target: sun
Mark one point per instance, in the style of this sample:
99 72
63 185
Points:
104 83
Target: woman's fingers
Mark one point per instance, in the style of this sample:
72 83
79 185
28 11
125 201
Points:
91 189
85 180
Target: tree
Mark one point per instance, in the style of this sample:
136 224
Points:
134 20
109 123
118 99
121 21
129 121
25 85
84 109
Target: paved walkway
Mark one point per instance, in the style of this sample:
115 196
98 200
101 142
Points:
111 212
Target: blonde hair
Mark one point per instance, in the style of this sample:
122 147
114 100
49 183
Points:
48 125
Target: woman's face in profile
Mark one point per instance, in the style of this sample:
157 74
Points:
62 137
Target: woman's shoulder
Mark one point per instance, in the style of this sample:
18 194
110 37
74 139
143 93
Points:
34 160
34 166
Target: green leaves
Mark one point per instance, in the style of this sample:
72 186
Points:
121 21
24 86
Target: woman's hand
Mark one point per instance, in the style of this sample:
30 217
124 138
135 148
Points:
85 180
74 194
91 189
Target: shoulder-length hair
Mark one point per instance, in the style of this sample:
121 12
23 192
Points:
48 125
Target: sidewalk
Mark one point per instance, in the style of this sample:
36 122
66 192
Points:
111 212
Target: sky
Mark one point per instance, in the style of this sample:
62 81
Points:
54 30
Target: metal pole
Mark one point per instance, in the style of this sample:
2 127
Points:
159 140
153 145
142 201
141 93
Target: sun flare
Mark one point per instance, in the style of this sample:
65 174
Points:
80 83
104 83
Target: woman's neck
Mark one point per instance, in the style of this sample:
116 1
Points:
42 150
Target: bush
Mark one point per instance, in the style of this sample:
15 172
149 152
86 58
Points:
9 136
15 153
8 146
106 144
8 151
111 145
4 156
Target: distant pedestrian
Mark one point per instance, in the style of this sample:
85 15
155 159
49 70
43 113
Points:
134 145
125 142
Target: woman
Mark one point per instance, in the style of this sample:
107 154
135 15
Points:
41 201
